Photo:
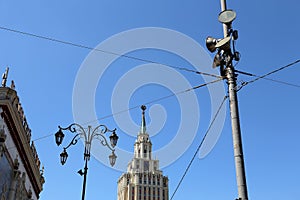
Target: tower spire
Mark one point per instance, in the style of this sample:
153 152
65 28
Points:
143 124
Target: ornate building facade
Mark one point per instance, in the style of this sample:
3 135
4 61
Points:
21 174
143 180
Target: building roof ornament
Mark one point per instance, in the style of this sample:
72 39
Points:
143 124
12 85
4 77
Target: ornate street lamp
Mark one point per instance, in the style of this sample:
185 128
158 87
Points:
63 157
59 136
112 158
88 135
113 139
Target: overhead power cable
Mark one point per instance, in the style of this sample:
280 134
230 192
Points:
158 99
197 150
267 74
268 79
105 51
135 107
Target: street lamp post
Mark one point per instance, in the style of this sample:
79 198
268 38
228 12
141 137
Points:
88 135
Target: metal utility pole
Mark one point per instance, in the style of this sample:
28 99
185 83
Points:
84 178
224 59
235 121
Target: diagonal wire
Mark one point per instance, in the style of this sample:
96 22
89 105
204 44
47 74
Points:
104 51
134 107
156 100
269 79
272 72
197 150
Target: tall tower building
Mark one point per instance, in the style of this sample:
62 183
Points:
143 179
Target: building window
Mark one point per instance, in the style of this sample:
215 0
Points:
132 193
165 182
145 179
140 193
145 193
5 176
158 193
146 165
145 149
153 180
137 164
128 181
153 193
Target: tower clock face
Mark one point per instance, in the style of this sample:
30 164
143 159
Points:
146 165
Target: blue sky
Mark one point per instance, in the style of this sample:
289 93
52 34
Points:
45 72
